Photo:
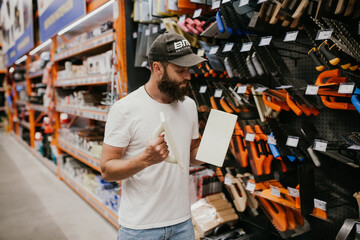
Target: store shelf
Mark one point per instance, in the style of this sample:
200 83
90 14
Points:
25 124
87 46
79 154
2 89
109 214
87 80
36 107
21 102
2 71
36 74
48 163
85 113
2 108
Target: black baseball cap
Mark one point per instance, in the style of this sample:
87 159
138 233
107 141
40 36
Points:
173 48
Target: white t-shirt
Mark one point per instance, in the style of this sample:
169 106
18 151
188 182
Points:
157 196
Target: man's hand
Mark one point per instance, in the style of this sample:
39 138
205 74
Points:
156 150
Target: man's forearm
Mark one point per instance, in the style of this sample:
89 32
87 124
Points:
193 151
120 169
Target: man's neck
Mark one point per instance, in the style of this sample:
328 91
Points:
153 91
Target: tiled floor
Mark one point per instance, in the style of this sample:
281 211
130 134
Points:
35 204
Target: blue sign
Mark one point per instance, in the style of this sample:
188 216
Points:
18 30
55 15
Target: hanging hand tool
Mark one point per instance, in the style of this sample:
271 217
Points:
318 64
237 192
251 200
324 48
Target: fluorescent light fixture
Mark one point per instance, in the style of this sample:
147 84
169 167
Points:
38 48
20 60
11 69
77 22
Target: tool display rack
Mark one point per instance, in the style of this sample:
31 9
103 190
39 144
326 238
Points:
115 40
2 92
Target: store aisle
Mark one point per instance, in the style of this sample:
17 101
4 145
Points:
35 204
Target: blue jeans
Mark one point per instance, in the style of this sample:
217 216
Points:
180 231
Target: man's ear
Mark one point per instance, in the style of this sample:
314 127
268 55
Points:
158 68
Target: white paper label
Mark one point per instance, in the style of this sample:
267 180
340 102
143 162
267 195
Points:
311 90
218 93
213 50
275 191
265 41
228 47
155 29
358 228
246 47
284 87
250 186
260 89
261 1
292 141
201 52
291 36
147 32
250 137
243 3
203 89
242 89
134 35
271 140
144 63
197 13
182 19
225 1
319 204
323 34
346 88
162 26
354 147
228 181
320 145
293 192
215 5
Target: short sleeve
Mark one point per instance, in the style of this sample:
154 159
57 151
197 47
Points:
117 128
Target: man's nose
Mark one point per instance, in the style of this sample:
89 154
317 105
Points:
187 75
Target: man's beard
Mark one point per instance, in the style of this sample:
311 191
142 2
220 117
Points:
172 88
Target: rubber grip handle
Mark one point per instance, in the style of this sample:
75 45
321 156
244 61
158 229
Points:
250 66
318 64
220 23
333 60
355 99
257 64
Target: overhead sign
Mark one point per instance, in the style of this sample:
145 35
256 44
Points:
16 19
55 15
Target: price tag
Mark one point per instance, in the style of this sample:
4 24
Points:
260 89
358 228
228 181
275 191
346 88
320 145
147 32
203 89
250 137
293 192
228 47
218 93
265 41
320 204
354 147
201 52
246 47
213 50
197 13
243 3
271 140
311 90
292 141
215 5
250 186
162 26
284 87
134 35
144 63
291 36
261 1
225 1
155 29
182 19
323 34
242 89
